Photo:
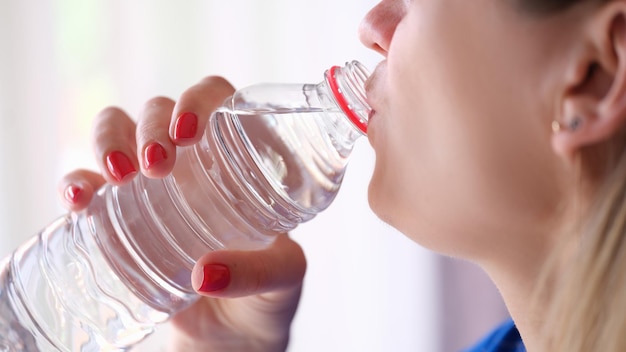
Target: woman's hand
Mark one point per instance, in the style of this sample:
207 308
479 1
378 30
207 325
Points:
250 297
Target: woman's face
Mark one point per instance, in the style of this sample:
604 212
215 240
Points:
464 103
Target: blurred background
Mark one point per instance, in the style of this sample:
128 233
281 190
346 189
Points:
368 288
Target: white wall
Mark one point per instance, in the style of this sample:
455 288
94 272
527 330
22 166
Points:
368 288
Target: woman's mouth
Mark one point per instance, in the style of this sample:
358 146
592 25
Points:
372 86
371 115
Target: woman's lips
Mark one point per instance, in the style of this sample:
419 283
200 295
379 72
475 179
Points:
371 115
372 86
374 91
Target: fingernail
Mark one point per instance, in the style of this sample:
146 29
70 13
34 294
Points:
154 154
186 126
215 277
72 192
119 165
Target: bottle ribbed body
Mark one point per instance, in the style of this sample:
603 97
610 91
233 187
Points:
272 157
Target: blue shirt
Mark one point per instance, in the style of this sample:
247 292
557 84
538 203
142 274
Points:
504 338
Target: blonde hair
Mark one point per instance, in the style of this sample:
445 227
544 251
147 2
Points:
588 307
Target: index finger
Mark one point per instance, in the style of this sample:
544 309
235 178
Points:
194 107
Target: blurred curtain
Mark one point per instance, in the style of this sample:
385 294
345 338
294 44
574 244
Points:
368 288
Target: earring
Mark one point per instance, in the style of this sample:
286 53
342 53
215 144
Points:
572 125
575 123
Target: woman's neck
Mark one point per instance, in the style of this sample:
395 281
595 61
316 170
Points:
520 274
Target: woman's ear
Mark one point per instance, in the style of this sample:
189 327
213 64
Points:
593 104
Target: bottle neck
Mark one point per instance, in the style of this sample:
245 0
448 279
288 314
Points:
347 87
341 97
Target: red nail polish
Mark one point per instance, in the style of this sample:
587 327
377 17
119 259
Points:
186 126
120 165
154 154
215 277
72 192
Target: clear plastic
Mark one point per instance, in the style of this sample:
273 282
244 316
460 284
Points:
272 156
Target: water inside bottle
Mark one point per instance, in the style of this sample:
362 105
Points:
302 152
112 294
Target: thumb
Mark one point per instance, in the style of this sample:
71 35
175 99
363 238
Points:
237 273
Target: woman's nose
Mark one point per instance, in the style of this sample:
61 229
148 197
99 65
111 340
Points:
379 25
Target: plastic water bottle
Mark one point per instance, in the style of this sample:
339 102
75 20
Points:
272 156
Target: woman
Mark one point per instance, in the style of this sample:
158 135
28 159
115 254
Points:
499 138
